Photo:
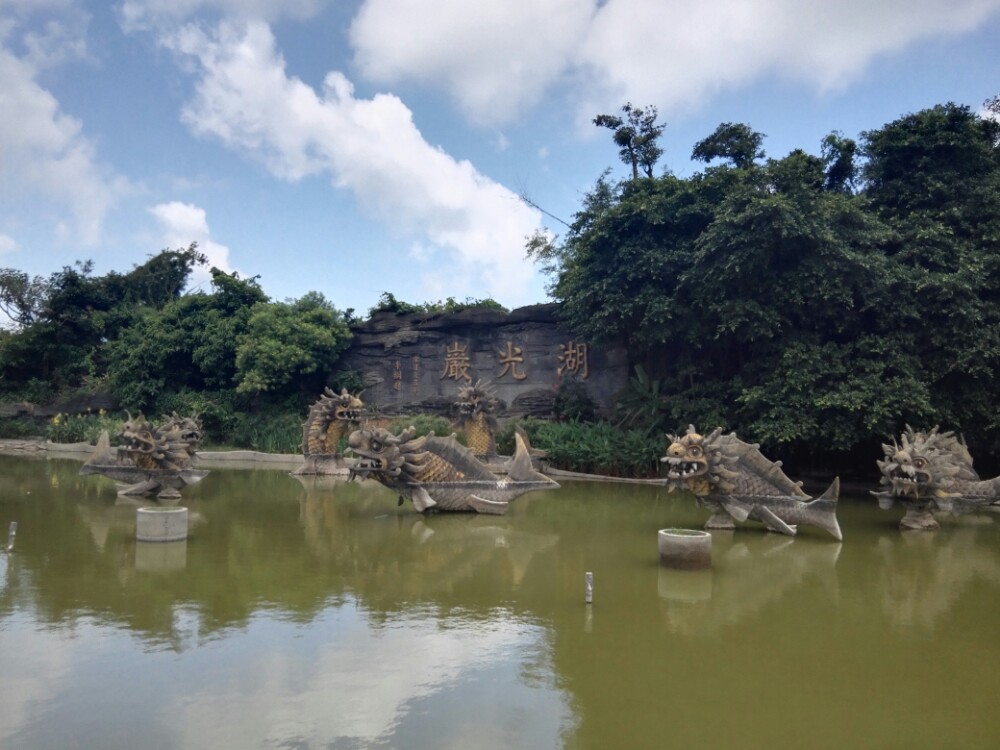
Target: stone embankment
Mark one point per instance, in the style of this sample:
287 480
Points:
206 459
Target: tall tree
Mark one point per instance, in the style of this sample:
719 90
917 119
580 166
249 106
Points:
737 142
636 137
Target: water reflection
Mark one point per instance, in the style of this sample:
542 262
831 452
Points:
323 615
924 574
751 571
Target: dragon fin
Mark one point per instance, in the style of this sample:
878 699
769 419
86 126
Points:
885 499
773 522
421 500
490 507
823 510
738 510
519 467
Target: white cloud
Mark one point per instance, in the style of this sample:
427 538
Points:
146 14
496 58
7 244
184 223
44 152
499 59
371 147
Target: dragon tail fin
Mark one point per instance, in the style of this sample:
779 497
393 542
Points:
822 511
102 455
519 467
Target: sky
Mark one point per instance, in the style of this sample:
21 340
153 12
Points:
355 147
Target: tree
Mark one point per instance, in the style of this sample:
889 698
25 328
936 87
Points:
734 141
286 343
21 297
838 156
189 344
636 137
933 177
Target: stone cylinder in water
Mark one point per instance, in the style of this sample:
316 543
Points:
685 548
161 524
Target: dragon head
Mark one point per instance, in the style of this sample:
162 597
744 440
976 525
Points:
699 463
925 465
182 430
344 406
137 433
384 454
476 399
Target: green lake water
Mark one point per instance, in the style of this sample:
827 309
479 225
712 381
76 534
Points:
321 615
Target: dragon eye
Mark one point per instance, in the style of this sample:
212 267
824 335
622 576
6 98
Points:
695 450
920 462
376 446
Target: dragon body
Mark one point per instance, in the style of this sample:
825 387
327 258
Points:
927 471
441 474
152 459
476 404
736 482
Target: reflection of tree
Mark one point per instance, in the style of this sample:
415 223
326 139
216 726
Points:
924 574
260 541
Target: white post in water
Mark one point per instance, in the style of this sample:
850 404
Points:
10 536
588 590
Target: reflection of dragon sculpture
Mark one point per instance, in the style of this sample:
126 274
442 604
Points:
735 481
151 460
442 474
475 418
928 471
331 418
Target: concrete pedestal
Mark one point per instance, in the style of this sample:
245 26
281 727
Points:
161 524
685 548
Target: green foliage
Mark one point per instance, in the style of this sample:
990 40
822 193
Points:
20 427
425 424
597 448
82 428
350 380
737 142
636 137
267 433
643 402
388 303
772 299
285 343
573 402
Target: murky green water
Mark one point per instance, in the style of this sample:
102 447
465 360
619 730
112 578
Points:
324 616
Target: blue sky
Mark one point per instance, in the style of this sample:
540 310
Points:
358 147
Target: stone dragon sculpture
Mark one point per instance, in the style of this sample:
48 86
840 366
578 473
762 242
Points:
330 418
476 404
928 471
440 474
736 482
151 459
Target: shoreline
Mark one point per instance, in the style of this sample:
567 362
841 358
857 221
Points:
248 459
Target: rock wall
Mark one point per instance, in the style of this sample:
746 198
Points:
417 363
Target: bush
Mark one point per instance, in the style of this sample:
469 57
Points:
268 433
82 428
20 428
598 448
424 424
573 402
